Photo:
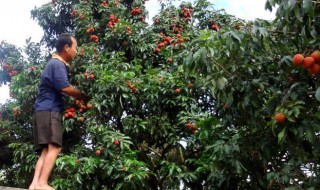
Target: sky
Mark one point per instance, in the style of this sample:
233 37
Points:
17 24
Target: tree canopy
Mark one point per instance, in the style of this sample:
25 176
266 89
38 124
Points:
199 99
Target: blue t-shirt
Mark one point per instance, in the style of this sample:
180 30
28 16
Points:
53 79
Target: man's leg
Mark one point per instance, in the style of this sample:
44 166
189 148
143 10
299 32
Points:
48 163
38 168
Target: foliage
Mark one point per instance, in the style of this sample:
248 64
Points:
187 101
55 19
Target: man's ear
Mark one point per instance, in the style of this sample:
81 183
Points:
66 47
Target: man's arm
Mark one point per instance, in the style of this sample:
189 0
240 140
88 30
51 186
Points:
72 91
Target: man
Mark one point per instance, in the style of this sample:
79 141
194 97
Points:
48 110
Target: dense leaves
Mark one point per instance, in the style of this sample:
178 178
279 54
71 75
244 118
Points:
196 99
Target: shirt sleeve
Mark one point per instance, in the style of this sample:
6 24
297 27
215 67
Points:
60 77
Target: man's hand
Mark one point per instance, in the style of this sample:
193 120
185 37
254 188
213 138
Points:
72 91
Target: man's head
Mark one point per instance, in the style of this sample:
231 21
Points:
66 47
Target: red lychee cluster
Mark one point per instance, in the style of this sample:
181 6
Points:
87 75
237 26
177 40
98 152
100 149
136 11
192 127
13 73
94 38
104 4
74 12
142 19
16 111
81 52
176 29
90 30
132 87
78 106
70 113
186 14
213 25
157 21
9 69
128 29
116 3
82 17
32 68
310 62
112 21
166 40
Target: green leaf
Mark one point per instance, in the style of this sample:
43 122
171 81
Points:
205 36
211 50
292 188
268 6
307 6
297 13
318 94
119 186
281 135
263 31
203 54
221 82
189 59
310 135
292 3
235 35
78 178
125 95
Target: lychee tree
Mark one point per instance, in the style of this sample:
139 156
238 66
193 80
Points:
197 99
20 69
267 99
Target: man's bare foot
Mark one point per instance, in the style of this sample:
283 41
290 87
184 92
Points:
43 187
32 186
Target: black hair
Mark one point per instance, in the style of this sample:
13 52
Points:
63 39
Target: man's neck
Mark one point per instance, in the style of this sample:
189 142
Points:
60 58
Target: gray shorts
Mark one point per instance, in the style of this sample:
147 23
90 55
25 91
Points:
47 129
